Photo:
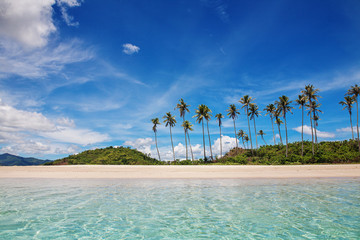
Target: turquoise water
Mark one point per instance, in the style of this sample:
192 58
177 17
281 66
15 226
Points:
180 209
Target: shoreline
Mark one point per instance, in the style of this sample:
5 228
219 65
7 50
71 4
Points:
180 171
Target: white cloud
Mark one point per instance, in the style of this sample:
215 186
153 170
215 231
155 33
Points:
347 129
307 130
141 144
64 5
130 48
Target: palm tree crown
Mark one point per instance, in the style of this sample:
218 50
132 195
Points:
218 117
156 122
169 120
183 107
232 111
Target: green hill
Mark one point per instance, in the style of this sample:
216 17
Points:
7 159
108 156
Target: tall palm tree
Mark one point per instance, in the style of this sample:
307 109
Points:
241 135
270 109
354 91
261 133
232 113
254 112
188 126
245 101
246 138
311 94
219 116
313 109
283 106
347 103
156 122
278 122
200 116
301 101
207 117
170 121
183 108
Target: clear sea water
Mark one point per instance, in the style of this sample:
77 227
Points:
180 209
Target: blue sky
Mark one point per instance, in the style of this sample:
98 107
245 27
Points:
77 75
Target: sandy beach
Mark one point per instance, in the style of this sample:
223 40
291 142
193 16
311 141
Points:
171 172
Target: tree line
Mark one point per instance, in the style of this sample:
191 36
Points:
308 100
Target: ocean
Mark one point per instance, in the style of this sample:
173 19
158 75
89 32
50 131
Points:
324 208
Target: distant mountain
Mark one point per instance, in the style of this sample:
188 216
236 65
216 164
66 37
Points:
109 155
12 160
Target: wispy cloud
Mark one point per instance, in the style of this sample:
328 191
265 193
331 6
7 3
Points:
64 5
307 130
130 49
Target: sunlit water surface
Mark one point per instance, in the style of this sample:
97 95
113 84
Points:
180 209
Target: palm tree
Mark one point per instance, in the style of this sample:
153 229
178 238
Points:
270 109
278 122
170 121
301 101
254 112
219 116
183 108
313 108
311 94
245 101
200 115
347 103
188 126
283 106
156 122
354 91
241 135
246 138
207 117
261 133
232 113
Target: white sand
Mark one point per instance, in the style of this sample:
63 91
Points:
157 172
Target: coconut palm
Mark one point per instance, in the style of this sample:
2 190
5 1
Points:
283 106
156 122
245 101
301 101
347 103
232 113
207 117
183 108
311 94
254 112
314 110
278 122
270 109
170 121
200 116
241 135
188 126
354 91
261 133
219 116
246 138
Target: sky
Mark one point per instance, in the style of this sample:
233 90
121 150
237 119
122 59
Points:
85 74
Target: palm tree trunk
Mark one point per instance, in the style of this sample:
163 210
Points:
157 147
172 144
220 142
192 155
247 114
235 135
207 124
312 136
243 142
203 139
352 130
286 136
357 121
280 134
255 134
263 139
272 126
185 139
302 131
315 128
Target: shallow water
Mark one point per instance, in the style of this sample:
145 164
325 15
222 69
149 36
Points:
180 209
